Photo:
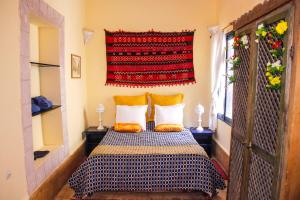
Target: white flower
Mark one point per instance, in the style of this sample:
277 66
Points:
277 63
244 39
246 47
256 40
261 26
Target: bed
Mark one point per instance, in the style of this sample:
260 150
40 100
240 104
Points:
147 162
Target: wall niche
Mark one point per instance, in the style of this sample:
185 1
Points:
42 74
45 81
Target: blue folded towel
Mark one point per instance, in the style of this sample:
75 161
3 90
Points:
34 107
42 102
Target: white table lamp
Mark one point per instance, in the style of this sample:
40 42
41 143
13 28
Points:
100 110
199 110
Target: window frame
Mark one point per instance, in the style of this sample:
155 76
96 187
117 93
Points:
222 116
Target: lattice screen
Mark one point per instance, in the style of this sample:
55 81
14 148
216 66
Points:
260 180
253 162
241 91
267 102
236 169
240 97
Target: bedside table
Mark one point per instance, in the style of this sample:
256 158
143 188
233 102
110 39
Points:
204 138
93 137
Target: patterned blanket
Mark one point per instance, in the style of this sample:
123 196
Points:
147 161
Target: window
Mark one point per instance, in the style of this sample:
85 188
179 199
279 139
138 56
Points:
226 90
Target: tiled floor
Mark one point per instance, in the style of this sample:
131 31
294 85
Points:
67 193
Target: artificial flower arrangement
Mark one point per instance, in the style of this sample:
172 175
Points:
231 79
274 37
235 61
274 71
242 42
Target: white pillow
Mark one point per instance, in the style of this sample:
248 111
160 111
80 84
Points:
132 114
169 114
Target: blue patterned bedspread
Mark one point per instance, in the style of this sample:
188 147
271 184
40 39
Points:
149 162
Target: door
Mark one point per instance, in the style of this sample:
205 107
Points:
259 115
241 115
269 118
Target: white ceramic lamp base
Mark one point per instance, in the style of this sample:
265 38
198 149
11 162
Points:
200 128
100 126
199 110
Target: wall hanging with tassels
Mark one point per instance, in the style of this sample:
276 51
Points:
148 59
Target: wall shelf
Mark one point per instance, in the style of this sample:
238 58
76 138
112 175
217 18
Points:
43 64
43 111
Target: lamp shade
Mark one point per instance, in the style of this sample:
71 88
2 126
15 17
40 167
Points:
87 35
100 108
199 109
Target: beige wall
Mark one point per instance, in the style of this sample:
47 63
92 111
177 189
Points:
143 15
37 133
134 15
230 10
11 146
223 136
74 13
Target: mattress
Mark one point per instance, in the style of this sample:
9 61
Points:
147 162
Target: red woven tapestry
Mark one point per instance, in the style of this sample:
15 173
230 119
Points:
146 59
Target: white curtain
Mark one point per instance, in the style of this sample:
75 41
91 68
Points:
218 43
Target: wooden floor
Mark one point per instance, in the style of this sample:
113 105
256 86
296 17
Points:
67 193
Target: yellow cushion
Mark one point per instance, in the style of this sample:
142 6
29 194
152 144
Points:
163 100
127 127
131 100
168 128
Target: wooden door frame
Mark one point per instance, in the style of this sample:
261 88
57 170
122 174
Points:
289 186
258 11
